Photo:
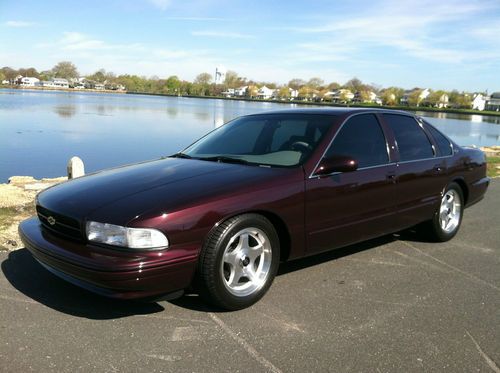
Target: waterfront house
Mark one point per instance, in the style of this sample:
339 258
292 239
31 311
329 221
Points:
265 93
60 83
228 93
493 103
241 91
479 101
443 101
422 95
99 86
340 95
367 97
28 81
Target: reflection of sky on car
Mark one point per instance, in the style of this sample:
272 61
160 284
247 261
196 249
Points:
40 131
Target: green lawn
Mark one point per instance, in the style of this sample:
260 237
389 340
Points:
493 164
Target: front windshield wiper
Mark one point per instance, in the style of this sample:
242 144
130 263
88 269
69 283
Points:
180 155
224 159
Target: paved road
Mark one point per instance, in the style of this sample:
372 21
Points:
390 305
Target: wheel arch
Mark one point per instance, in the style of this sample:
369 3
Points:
278 224
463 185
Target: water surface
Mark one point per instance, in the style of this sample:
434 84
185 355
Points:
41 130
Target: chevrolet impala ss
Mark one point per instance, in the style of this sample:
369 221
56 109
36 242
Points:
221 215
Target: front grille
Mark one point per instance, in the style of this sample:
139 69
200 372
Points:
62 225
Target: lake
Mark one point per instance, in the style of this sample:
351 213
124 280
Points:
41 130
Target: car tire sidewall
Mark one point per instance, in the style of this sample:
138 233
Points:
220 239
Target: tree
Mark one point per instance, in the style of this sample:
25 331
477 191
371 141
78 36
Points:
333 86
232 80
284 93
315 83
2 76
9 73
414 97
203 79
296 83
66 70
391 96
99 76
354 85
173 84
30 72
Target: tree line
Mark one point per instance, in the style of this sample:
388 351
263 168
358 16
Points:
314 89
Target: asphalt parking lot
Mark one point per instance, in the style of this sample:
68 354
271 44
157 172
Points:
395 304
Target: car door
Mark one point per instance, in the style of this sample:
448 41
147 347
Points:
421 176
347 207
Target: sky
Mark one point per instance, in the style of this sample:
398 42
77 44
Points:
444 44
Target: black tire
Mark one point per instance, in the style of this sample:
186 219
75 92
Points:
434 228
213 281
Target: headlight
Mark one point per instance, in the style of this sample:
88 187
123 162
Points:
134 238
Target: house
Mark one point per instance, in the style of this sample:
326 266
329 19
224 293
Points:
443 101
241 91
340 95
228 93
424 93
28 81
493 103
367 97
99 86
60 83
479 101
265 93
293 93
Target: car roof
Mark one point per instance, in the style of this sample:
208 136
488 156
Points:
331 111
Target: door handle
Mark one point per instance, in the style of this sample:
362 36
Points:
438 168
391 176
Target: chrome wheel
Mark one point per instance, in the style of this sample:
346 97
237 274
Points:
246 262
450 211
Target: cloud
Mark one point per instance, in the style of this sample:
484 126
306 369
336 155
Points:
423 29
222 34
19 24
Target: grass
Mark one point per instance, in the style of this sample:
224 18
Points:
493 164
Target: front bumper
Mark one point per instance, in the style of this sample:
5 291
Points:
110 272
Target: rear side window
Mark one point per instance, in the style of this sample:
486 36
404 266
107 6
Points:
442 142
361 138
412 141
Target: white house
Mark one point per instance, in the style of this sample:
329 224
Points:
493 102
29 81
479 101
60 83
340 95
265 93
99 86
229 92
293 93
241 91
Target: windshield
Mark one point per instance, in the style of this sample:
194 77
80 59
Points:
265 139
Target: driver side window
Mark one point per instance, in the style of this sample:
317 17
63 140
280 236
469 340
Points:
362 139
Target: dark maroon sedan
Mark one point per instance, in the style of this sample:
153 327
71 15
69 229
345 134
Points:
261 189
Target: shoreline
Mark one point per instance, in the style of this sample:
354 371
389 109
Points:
289 102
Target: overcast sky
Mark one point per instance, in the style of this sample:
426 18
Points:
426 43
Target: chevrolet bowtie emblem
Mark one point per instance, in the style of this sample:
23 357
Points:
51 220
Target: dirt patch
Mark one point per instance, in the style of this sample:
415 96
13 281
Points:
17 202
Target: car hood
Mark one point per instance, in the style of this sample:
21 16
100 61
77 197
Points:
121 194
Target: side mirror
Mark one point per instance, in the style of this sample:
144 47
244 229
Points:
337 163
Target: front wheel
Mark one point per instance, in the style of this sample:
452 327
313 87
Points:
447 219
239 262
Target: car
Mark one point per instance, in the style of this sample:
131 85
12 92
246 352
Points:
220 216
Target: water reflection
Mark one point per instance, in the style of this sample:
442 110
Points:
65 111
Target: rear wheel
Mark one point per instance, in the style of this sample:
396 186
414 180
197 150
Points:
447 219
239 262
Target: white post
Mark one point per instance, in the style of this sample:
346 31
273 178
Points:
75 168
